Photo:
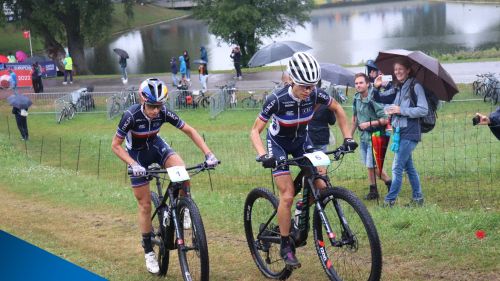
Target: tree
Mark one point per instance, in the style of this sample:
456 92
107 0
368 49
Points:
244 22
71 23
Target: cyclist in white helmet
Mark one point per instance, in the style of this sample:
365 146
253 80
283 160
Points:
139 126
290 109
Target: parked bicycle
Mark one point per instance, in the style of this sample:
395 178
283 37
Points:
201 99
120 102
82 100
229 91
488 87
345 237
67 112
168 221
253 100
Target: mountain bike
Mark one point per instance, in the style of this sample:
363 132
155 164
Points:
121 101
345 237
168 221
253 100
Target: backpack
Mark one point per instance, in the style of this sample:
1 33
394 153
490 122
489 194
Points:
370 129
428 122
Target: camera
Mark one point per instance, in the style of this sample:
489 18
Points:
386 78
476 120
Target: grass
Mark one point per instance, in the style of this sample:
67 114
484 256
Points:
11 37
95 222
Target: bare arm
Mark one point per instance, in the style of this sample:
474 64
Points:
353 125
116 146
257 128
196 138
336 108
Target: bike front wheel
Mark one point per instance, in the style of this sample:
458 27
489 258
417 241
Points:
352 250
262 233
160 236
192 244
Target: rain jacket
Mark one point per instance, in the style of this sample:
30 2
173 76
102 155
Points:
13 80
318 129
173 66
408 119
203 54
182 67
495 123
367 110
68 63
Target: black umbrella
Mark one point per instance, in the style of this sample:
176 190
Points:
121 53
276 51
336 74
426 69
19 101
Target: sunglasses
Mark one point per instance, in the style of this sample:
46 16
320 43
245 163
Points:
307 87
154 106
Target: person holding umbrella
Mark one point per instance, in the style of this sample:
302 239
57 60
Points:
369 117
20 105
405 122
123 66
493 121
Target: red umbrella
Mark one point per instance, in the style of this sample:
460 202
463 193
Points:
380 142
426 69
3 59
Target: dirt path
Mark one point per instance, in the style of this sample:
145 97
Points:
107 243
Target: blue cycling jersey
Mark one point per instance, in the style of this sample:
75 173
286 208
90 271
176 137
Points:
139 131
289 114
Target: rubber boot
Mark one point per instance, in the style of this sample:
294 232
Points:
373 194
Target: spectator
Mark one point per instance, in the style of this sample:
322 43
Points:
36 78
12 58
68 69
318 128
373 72
203 74
13 81
21 115
405 123
123 66
368 116
188 65
236 56
493 121
174 69
183 70
204 54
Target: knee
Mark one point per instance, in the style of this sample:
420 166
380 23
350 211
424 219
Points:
145 206
287 200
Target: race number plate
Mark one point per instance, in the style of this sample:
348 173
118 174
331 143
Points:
177 173
318 158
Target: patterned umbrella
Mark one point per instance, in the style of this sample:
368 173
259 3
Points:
380 142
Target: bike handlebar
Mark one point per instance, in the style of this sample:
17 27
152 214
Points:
338 153
199 168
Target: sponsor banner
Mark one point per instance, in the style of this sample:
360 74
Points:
20 260
23 77
48 67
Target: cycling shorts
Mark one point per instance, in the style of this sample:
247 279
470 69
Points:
158 153
281 147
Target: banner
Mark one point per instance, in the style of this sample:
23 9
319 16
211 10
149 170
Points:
23 71
26 34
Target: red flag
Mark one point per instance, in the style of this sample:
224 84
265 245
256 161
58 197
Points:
26 34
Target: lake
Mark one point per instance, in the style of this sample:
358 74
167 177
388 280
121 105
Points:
341 35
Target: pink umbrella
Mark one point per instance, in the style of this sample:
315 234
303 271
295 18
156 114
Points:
21 56
3 59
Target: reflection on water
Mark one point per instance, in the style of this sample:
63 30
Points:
346 35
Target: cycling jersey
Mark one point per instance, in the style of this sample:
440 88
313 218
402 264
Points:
139 131
289 114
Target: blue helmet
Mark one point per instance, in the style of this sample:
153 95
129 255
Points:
153 91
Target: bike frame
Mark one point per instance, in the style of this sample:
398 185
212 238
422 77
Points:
309 177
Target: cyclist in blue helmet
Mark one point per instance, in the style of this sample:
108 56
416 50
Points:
139 127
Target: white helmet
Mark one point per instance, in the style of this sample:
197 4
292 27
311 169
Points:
153 91
304 69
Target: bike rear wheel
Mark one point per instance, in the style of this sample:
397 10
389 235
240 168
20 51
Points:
160 236
260 206
358 255
193 252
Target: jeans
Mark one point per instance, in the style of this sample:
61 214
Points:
124 73
188 74
175 81
366 154
203 81
404 162
237 67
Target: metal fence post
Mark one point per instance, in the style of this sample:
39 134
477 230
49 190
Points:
8 127
60 152
78 157
99 158
41 151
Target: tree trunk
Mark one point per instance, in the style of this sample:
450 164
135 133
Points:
75 42
54 49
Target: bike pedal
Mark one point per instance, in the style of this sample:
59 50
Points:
292 267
